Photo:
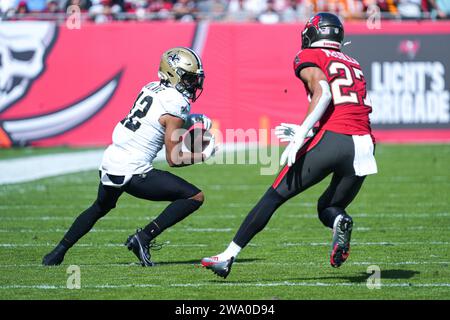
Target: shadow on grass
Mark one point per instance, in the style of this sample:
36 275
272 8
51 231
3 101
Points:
363 276
162 263
359 278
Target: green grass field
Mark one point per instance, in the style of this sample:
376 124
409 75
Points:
402 225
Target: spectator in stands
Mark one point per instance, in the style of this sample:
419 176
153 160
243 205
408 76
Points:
219 9
290 12
347 9
52 7
421 9
256 6
84 5
7 6
120 3
137 9
270 15
318 5
264 11
22 8
22 12
36 5
388 8
443 9
184 10
154 5
432 8
104 10
166 10
211 9
296 11
160 9
410 9
237 12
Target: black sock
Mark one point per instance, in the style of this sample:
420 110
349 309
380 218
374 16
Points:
174 213
82 225
150 231
328 215
60 249
257 219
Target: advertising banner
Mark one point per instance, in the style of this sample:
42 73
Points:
61 86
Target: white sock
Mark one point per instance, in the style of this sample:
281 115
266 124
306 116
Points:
232 251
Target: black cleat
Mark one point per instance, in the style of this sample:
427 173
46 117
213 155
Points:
340 246
220 268
55 257
141 249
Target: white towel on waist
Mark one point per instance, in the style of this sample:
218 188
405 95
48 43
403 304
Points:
364 162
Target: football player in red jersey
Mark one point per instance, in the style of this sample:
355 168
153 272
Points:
342 144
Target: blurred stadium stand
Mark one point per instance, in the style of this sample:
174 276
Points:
263 11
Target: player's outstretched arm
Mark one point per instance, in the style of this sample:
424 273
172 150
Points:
317 84
174 155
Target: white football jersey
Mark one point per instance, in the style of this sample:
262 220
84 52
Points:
139 137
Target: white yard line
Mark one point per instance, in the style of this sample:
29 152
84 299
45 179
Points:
58 230
230 284
299 216
381 243
117 230
25 245
262 263
289 244
379 215
247 205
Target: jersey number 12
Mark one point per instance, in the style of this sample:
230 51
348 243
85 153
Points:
139 110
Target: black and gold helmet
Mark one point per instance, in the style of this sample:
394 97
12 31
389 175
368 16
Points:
182 69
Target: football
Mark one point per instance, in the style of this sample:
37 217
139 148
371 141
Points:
197 138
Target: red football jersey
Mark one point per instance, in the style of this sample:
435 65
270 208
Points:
348 112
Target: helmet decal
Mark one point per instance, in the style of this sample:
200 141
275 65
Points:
181 68
315 21
173 59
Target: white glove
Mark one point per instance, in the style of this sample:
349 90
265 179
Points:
211 149
286 131
207 123
295 135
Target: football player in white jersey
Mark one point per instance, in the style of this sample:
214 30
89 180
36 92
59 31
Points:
161 108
